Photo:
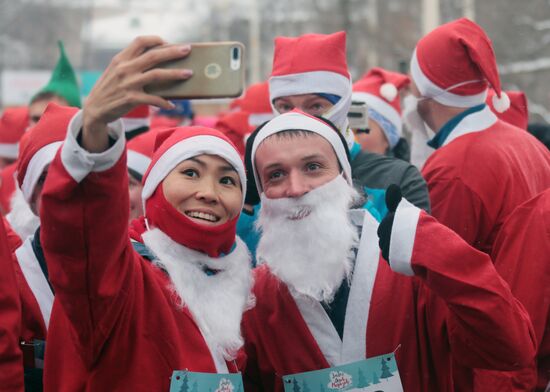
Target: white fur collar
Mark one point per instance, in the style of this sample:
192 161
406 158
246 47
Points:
216 302
21 218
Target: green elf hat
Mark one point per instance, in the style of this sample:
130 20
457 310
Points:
63 80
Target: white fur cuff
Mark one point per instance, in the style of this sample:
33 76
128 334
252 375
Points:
402 237
79 162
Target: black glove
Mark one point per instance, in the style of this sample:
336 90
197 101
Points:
393 197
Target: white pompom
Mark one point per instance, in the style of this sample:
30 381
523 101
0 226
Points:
501 104
388 91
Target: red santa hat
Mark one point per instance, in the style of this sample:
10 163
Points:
136 121
313 64
41 144
518 114
176 145
455 63
236 126
302 121
140 151
379 89
13 123
255 101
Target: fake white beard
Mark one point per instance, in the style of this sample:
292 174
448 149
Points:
308 242
420 132
216 302
21 218
412 120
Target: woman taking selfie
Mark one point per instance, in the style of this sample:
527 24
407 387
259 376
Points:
134 305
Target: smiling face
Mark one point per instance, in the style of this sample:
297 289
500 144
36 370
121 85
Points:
204 188
292 165
307 103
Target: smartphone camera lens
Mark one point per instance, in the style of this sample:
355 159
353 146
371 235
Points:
235 58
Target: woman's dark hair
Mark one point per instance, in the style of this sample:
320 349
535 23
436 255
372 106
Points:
252 196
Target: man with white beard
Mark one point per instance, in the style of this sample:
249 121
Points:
324 295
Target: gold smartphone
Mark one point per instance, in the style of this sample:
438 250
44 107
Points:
218 72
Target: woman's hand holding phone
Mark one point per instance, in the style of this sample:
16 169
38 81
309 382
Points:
121 86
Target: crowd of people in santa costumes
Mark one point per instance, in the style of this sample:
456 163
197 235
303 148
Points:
140 249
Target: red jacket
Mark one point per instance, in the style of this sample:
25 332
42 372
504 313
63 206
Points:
114 311
484 171
455 306
11 361
522 257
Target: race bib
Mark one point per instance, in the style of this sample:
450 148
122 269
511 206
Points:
185 381
372 374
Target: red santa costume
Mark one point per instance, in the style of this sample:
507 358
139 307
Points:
21 218
13 123
484 167
130 321
521 254
436 300
11 371
36 294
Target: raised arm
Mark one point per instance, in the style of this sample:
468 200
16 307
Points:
487 326
85 205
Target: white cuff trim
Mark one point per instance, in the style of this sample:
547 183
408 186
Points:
79 162
402 237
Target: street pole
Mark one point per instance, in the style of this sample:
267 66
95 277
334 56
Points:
254 39
430 15
469 7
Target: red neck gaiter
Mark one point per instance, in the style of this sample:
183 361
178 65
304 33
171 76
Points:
212 240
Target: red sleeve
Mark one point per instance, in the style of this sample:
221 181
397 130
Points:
522 257
11 360
488 327
84 232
